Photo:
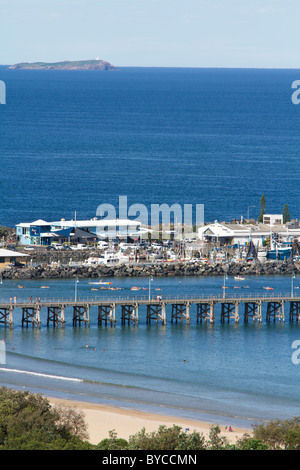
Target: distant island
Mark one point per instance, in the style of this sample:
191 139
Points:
96 64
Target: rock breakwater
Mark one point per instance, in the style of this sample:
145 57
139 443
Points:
164 269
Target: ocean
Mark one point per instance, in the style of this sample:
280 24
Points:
73 140
225 373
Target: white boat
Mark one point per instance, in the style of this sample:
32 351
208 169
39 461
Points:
239 278
221 256
108 258
262 254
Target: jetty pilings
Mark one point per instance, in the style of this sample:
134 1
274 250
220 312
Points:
209 309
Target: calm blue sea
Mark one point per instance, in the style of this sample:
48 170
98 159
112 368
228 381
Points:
219 137
73 140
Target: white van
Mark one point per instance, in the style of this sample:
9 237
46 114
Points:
102 244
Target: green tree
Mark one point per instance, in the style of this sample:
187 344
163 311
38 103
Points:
262 208
113 443
286 214
216 441
279 434
247 442
28 421
172 438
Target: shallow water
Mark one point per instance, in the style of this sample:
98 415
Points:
226 373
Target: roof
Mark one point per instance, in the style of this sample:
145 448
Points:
216 230
6 253
226 230
83 223
96 223
40 223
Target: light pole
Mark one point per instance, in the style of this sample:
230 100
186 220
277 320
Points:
224 286
248 211
76 282
150 280
292 285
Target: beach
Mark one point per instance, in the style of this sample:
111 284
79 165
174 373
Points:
101 419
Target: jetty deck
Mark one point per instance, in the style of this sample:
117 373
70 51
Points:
182 308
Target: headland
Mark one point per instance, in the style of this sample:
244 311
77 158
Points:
96 64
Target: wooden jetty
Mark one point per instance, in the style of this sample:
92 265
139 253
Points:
232 308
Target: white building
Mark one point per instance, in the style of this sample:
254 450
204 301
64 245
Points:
41 232
240 234
8 257
273 219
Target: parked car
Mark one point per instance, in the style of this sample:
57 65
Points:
79 246
102 244
57 246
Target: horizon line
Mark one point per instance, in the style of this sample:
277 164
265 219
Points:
178 66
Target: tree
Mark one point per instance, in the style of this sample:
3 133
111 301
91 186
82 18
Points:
216 441
172 438
279 434
286 214
28 421
262 208
247 442
113 443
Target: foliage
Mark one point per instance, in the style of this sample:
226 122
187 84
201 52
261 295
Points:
3 231
262 208
172 438
286 214
113 443
249 443
292 439
28 421
279 434
216 441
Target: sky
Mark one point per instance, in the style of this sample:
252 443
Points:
153 33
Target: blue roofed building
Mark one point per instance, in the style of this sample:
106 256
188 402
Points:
45 233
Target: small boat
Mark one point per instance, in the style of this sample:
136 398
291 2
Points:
101 282
239 278
21 287
268 288
44 287
135 288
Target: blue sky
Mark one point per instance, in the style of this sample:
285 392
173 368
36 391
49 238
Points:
185 33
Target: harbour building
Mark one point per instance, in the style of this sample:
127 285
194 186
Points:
41 232
10 257
241 234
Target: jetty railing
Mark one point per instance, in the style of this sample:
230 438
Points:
155 307
153 298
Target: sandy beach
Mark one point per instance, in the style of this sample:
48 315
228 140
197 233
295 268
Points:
101 419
